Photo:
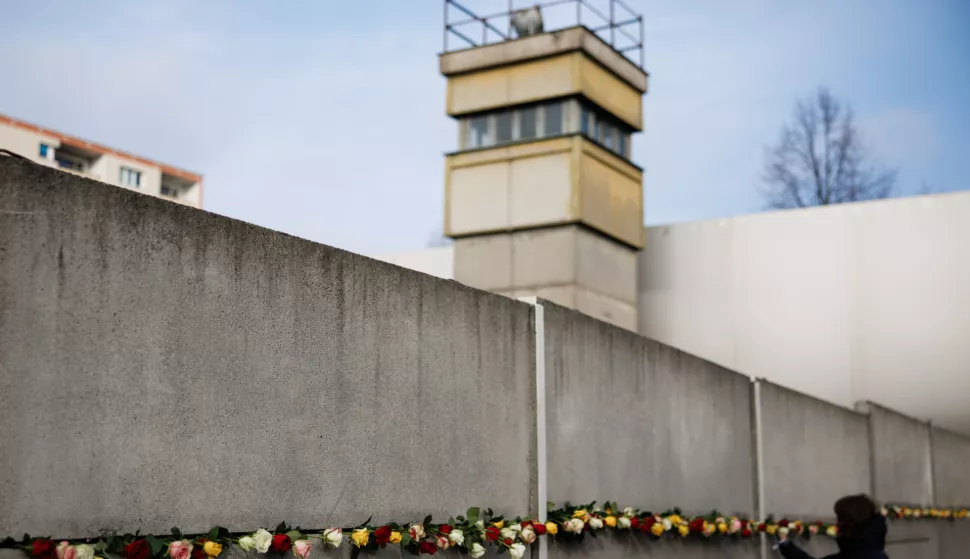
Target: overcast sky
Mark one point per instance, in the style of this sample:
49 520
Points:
325 119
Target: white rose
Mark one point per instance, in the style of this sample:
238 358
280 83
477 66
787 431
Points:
623 522
528 535
573 525
516 528
83 551
333 537
477 550
628 512
782 532
480 524
517 551
247 543
596 523
416 531
263 540
457 537
667 524
506 533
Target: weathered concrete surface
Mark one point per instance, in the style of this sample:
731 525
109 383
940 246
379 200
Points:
636 545
632 420
164 366
814 453
951 468
902 467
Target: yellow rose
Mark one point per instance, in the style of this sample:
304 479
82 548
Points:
395 537
552 528
832 531
500 524
581 514
772 529
684 530
212 549
674 519
657 529
610 521
722 527
360 537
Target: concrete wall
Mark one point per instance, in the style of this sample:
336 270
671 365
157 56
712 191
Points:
951 468
163 366
847 303
902 465
632 420
813 452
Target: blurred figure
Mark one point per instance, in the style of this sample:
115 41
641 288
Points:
862 531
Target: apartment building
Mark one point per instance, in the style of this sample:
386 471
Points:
99 162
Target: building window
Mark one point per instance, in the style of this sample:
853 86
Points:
553 119
130 177
503 127
528 123
545 120
477 132
170 191
45 151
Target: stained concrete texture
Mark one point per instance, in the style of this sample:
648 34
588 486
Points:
902 467
814 453
951 468
162 366
619 546
632 420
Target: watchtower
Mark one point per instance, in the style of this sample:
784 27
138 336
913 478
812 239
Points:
541 196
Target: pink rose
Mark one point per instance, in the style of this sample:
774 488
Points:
735 526
180 549
442 542
301 548
66 551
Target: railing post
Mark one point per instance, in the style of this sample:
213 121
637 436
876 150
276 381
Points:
508 34
579 12
613 24
640 18
445 49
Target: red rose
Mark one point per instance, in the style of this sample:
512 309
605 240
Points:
444 529
508 542
783 523
696 525
281 543
43 549
745 533
138 549
648 523
197 551
634 523
492 533
540 529
428 548
382 535
762 527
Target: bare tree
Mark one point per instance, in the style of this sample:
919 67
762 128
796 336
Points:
821 159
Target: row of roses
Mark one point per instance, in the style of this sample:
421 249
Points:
469 534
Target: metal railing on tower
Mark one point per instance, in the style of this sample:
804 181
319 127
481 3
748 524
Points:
613 27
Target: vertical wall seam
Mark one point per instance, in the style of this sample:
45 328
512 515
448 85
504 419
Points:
542 495
759 461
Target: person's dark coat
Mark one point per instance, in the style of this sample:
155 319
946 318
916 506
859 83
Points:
868 542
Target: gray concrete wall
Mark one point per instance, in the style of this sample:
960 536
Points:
951 468
641 423
902 466
814 453
164 366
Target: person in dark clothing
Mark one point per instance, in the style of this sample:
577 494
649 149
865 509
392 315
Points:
862 531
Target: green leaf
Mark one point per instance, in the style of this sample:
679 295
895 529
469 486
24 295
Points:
294 535
281 529
427 520
176 533
154 544
406 539
473 514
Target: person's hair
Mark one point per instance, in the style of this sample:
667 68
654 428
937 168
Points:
854 511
